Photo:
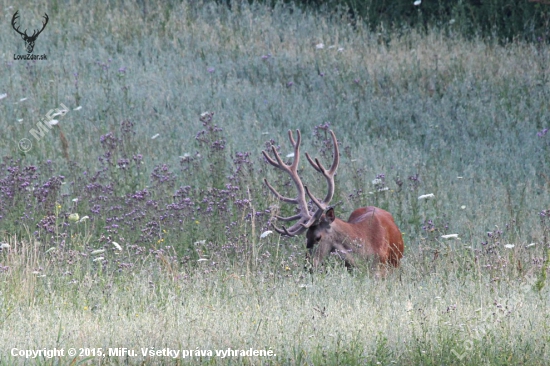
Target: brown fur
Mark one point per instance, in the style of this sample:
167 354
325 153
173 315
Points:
369 232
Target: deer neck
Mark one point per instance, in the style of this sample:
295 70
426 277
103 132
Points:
344 233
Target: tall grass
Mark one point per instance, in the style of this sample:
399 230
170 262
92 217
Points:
448 311
162 164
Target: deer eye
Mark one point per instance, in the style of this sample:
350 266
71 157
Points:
318 239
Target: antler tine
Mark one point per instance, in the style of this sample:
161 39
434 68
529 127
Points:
329 175
291 231
279 162
270 160
290 218
280 196
304 216
280 231
336 160
296 146
314 164
318 166
321 205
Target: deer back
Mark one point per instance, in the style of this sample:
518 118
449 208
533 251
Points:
377 229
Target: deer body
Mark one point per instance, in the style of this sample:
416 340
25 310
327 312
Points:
369 231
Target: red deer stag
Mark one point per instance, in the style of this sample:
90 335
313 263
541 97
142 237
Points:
369 231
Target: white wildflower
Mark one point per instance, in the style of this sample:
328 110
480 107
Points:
84 218
51 249
320 46
2 96
463 207
376 181
426 196
450 236
75 199
98 259
417 2
266 233
202 259
23 99
509 246
97 251
341 49
78 108
200 242
530 245
20 120
154 137
116 245
291 155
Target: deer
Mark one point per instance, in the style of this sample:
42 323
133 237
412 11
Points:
369 233
29 40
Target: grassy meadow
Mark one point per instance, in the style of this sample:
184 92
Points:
138 219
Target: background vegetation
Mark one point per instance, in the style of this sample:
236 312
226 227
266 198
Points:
135 221
504 20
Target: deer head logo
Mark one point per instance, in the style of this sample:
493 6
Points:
29 40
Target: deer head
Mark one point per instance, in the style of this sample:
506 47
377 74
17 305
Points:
29 40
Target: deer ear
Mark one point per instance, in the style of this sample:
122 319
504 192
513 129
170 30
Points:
329 214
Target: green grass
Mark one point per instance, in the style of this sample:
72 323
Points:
461 115
419 315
